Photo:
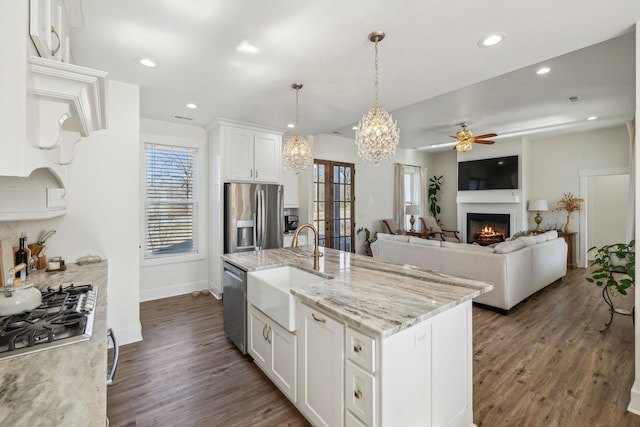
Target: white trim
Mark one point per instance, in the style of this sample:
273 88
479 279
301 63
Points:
581 255
129 335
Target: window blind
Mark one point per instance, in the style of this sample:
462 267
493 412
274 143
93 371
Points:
170 204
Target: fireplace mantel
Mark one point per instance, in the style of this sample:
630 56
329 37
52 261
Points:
488 197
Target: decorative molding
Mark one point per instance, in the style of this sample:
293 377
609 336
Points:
488 196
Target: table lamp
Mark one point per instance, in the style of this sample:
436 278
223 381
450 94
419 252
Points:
412 210
538 206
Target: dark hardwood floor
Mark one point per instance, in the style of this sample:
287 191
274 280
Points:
544 364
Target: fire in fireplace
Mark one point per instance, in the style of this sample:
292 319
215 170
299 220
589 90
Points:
486 229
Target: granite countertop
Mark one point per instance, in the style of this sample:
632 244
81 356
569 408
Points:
377 296
61 386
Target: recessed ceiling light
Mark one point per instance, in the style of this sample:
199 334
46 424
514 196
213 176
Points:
147 62
543 70
191 105
245 46
355 128
592 117
291 125
491 39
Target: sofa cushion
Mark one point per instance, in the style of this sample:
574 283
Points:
509 246
466 247
421 241
394 237
551 234
528 240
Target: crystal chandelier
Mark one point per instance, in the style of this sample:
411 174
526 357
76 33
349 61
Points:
377 134
296 153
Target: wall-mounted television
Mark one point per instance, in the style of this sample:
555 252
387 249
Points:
499 173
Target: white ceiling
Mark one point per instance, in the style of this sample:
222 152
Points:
433 75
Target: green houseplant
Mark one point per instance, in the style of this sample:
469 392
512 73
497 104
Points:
368 239
615 258
435 184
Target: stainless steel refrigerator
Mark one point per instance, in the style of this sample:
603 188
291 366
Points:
253 220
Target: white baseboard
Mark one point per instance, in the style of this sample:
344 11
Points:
634 401
172 291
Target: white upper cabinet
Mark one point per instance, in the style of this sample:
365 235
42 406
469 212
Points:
241 152
252 156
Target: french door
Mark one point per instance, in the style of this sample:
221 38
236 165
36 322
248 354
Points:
333 204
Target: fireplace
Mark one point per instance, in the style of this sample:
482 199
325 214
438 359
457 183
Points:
487 228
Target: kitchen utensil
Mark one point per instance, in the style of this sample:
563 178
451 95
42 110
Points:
44 236
6 259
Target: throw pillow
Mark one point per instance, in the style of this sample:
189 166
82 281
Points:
394 237
551 234
528 240
509 246
425 242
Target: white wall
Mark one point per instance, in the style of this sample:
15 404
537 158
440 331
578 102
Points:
556 163
374 184
445 163
162 279
103 209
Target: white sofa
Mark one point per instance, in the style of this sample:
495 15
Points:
516 268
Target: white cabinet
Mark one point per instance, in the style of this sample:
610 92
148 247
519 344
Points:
252 156
274 350
288 238
419 376
321 364
291 192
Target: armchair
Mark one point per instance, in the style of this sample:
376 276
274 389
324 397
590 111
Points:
430 224
391 227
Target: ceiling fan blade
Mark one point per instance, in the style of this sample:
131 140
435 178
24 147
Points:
483 142
488 135
453 136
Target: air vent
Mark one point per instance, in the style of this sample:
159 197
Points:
183 118
574 98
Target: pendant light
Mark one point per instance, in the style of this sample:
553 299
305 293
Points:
377 134
296 153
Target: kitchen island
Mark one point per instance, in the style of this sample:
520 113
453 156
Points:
386 344
66 385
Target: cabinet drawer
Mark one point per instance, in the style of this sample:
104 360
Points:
361 349
353 421
360 393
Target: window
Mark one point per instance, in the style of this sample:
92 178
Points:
171 201
412 190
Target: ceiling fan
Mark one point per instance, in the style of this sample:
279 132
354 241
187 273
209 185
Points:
466 139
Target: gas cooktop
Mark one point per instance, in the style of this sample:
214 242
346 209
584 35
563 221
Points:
64 317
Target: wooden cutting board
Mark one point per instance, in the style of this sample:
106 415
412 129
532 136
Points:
6 259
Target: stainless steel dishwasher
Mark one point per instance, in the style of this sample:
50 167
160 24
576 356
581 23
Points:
234 299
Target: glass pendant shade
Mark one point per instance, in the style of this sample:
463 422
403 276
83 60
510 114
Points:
296 152
464 146
377 134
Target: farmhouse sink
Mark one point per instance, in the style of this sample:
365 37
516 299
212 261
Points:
268 290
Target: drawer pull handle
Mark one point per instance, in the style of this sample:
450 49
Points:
357 394
318 319
357 348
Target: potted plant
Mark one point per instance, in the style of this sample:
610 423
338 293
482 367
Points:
569 203
615 258
368 239
615 273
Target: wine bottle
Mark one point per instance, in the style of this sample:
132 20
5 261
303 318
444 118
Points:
22 256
